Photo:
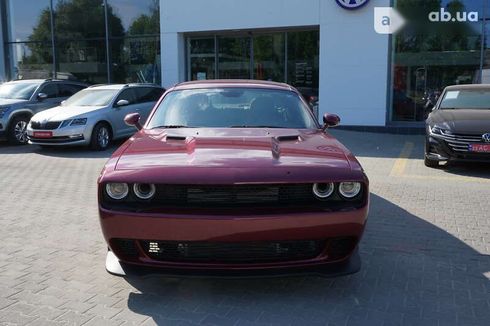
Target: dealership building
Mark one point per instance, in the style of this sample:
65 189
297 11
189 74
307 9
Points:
326 48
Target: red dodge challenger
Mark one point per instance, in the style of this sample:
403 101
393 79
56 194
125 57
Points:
233 177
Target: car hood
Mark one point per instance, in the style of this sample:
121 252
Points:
8 101
61 113
462 121
240 155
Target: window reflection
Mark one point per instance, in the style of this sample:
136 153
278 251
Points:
29 20
136 59
202 58
430 56
80 40
269 57
234 58
140 17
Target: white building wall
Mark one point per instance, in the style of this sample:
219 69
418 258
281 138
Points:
353 58
3 76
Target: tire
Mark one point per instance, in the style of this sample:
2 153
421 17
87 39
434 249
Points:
17 130
101 137
431 163
427 161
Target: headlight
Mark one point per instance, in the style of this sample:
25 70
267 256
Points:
4 110
144 190
79 122
349 189
65 123
117 191
438 131
323 190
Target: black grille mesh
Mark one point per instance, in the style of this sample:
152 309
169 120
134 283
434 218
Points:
239 252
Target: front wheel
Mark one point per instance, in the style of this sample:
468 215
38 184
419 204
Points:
427 161
101 137
431 163
17 131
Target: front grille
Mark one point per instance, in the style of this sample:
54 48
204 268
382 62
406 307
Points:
237 253
50 125
234 196
124 247
461 142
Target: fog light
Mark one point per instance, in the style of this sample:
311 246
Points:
349 189
117 191
144 190
323 190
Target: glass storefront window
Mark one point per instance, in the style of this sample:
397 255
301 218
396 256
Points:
428 56
81 19
136 60
79 40
303 60
29 20
83 60
202 58
140 17
31 60
234 57
269 57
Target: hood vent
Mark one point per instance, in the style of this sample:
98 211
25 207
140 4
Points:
288 138
170 137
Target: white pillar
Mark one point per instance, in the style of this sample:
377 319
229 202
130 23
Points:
173 58
353 65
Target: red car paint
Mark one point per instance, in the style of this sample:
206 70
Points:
238 156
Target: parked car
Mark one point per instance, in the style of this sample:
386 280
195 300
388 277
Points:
21 99
94 116
233 176
458 129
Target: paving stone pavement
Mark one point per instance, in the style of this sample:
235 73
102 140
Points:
425 253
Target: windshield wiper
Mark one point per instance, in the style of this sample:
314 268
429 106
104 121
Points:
246 126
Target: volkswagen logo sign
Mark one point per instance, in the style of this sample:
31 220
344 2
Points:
486 138
352 4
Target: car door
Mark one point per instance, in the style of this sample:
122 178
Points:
52 98
146 98
121 129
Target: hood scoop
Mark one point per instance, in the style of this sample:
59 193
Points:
174 137
288 138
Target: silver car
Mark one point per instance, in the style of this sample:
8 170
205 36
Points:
21 99
94 116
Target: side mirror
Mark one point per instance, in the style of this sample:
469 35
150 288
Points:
122 103
133 119
330 120
42 96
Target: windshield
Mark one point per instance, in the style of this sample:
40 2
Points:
18 90
466 99
232 108
92 97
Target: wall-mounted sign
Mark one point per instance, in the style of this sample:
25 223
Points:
352 4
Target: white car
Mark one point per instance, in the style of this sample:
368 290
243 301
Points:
93 116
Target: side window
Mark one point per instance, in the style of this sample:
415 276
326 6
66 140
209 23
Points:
128 95
50 89
148 94
67 90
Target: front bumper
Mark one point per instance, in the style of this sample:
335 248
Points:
438 149
78 135
128 234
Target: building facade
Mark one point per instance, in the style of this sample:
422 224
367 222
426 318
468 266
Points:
326 48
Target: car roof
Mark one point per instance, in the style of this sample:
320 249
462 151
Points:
121 86
40 81
245 83
468 87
